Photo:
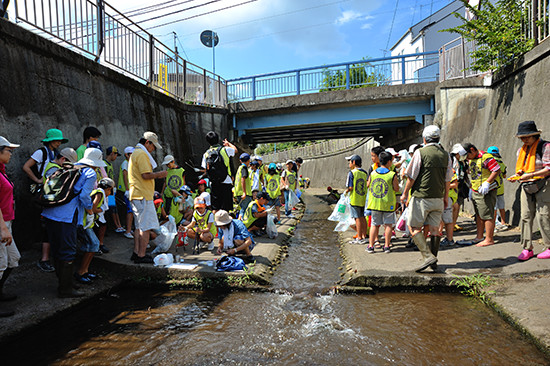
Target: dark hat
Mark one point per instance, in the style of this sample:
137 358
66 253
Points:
527 128
112 149
356 158
95 144
245 157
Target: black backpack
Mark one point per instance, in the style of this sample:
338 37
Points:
216 170
59 187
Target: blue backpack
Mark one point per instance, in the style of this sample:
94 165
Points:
227 263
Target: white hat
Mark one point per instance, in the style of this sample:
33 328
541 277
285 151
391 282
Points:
289 162
93 157
412 147
431 132
168 159
222 218
69 154
5 143
128 149
392 151
458 149
151 136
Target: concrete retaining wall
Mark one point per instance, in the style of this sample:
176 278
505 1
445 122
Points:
48 86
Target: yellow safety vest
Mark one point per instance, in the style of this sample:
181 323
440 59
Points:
453 192
94 192
174 180
202 221
358 195
248 218
50 165
121 186
478 174
291 179
273 186
248 183
381 193
500 177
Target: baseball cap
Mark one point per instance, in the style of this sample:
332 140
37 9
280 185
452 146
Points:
95 145
128 149
272 166
289 162
493 150
186 189
392 151
459 149
431 132
202 181
5 143
168 159
112 149
355 158
151 136
412 147
244 157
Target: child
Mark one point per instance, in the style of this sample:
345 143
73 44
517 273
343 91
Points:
124 191
273 189
357 190
288 183
255 215
256 183
107 185
382 186
500 208
202 224
234 237
243 184
203 193
175 178
447 217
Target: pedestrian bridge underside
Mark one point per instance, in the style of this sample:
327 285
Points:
382 112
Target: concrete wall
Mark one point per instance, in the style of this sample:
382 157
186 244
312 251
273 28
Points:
44 86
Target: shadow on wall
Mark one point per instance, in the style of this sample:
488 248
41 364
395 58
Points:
507 91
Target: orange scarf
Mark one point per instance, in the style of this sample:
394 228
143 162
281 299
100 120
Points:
526 159
260 207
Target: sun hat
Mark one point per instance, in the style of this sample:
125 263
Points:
458 149
128 149
493 150
151 136
53 134
69 154
94 144
112 149
199 202
186 189
254 163
93 157
412 147
431 132
202 181
5 143
355 158
259 158
392 151
168 159
107 182
222 218
244 157
527 128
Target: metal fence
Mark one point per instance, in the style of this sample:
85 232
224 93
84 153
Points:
318 149
455 60
97 30
538 25
415 68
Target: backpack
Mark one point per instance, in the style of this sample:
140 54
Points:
59 187
215 166
227 263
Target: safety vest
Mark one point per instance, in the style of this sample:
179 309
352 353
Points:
248 218
224 155
238 185
109 170
94 192
50 165
174 210
121 186
174 180
202 221
291 179
381 193
500 177
478 174
358 195
273 186
453 192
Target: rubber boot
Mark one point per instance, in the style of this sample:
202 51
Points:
58 264
429 258
65 289
434 247
4 297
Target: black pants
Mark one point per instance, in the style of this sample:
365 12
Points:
221 196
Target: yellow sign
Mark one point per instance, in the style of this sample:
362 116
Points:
163 77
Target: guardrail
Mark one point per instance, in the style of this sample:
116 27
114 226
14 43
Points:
414 68
97 30
455 60
538 25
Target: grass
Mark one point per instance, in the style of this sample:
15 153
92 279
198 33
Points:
474 285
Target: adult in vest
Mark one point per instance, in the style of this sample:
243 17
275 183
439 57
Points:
34 168
428 177
532 171
123 191
484 171
243 183
288 183
221 192
175 179
500 207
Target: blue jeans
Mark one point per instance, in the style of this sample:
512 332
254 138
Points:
62 239
288 210
244 205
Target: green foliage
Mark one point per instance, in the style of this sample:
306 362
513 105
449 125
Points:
281 146
473 285
498 30
358 75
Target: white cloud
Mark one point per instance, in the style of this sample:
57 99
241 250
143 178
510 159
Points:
348 16
366 26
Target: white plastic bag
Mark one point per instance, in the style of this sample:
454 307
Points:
271 228
163 260
293 200
168 232
342 209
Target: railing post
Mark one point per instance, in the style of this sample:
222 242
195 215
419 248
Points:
100 29
151 59
463 58
297 82
204 85
534 19
253 88
347 76
403 73
184 78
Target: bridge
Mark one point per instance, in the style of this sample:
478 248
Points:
382 98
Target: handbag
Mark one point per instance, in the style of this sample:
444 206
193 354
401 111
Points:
534 186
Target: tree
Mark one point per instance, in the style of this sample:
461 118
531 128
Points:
498 30
359 78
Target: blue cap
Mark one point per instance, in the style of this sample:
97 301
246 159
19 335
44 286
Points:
95 144
186 189
244 157
272 166
493 150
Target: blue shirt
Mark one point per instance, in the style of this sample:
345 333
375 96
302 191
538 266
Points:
65 213
240 231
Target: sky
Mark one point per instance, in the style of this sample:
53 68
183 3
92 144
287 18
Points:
264 36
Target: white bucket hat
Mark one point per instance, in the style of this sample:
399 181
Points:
222 218
168 159
93 157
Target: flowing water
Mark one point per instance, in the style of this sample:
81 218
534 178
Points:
300 323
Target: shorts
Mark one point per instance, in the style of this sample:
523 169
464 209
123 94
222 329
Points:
424 211
447 215
274 202
500 205
484 205
145 215
382 218
9 254
357 211
88 239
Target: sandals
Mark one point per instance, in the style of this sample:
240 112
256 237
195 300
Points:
377 244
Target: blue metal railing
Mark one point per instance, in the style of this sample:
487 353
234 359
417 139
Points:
405 69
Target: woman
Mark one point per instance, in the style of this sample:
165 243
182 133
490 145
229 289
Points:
9 255
532 171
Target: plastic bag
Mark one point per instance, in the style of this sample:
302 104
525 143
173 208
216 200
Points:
163 260
271 228
402 222
342 209
298 192
168 232
293 200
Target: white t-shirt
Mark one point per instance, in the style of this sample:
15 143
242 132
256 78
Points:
230 152
39 157
124 165
206 197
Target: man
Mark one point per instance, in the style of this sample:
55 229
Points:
484 171
142 189
89 134
221 188
123 191
428 178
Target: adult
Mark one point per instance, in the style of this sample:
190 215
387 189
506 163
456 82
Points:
484 171
532 170
112 154
234 237
428 178
89 134
34 168
123 191
9 255
220 189
142 189
62 221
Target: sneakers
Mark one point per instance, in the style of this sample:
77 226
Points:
91 276
387 250
103 249
370 249
120 230
45 266
526 254
147 259
364 241
128 235
447 243
291 216
355 241
211 246
134 256
544 255
82 278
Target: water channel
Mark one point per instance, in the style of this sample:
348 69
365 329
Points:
300 323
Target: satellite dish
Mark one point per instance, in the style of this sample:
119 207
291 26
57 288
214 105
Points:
206 38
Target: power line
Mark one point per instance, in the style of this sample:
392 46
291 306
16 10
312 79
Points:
158 8
391 28
178 11
148 7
